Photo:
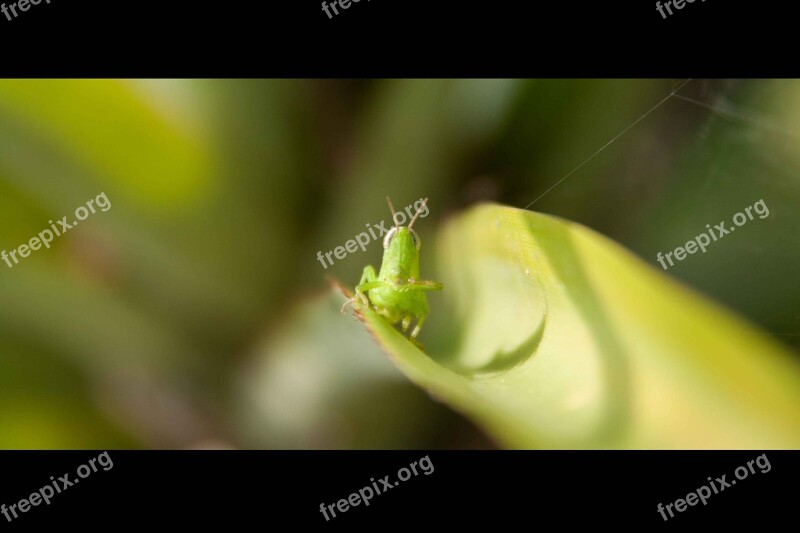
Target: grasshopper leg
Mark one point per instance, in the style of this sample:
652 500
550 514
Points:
425 285
406 323
416 329
369 280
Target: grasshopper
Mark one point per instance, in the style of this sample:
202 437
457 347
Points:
397 293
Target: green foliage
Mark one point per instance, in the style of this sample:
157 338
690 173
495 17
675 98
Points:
182 317
558 337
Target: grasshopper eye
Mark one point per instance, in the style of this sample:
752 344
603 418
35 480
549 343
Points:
388 238
415 238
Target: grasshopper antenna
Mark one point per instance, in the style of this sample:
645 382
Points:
391 208
416 215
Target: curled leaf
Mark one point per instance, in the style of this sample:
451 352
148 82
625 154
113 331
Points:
550 335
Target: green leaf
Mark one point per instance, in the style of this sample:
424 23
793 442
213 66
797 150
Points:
550 335
129 134
319 381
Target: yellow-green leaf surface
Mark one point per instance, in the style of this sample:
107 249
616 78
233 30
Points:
128 133
549 335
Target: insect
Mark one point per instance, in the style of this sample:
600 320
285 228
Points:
397 293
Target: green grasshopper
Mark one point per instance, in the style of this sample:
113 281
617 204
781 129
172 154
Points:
397 293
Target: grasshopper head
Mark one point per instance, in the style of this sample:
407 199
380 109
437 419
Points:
401 249
402 239
401 253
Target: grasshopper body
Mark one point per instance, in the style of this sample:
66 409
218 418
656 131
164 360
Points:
396 292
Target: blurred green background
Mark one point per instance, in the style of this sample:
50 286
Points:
195 314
